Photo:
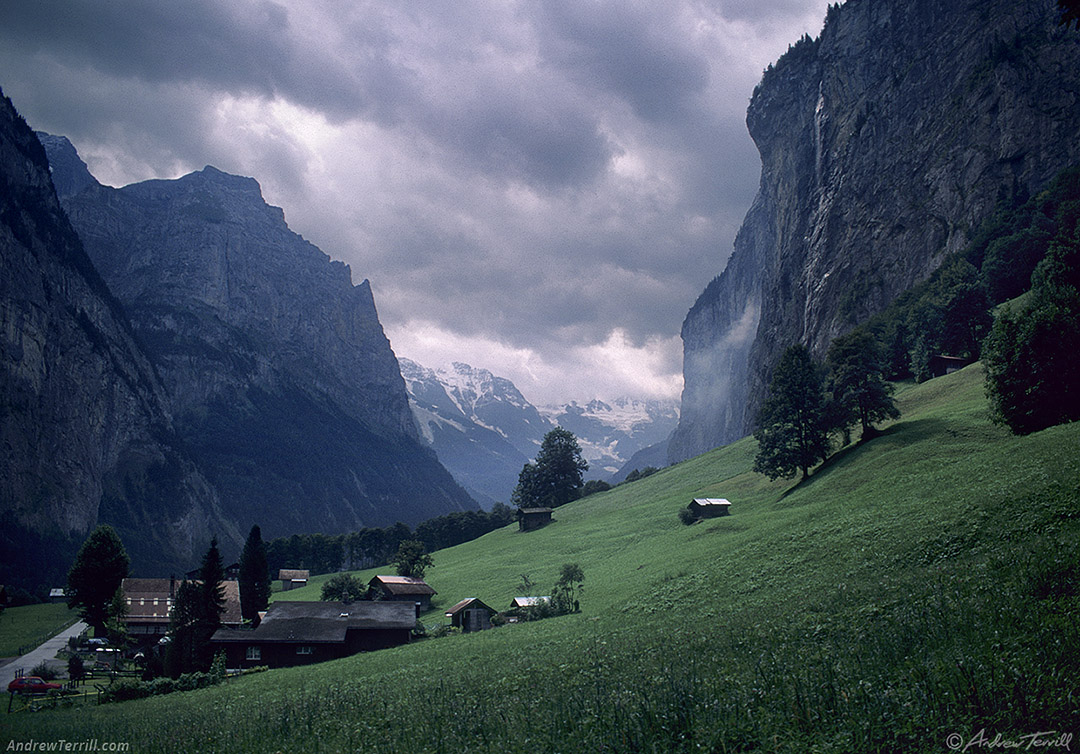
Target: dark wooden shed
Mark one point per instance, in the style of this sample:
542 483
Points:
709 507
470 614
533 518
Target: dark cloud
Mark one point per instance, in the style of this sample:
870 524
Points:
547 184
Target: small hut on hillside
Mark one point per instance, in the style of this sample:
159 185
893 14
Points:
533 518
709 507
293 578
470 615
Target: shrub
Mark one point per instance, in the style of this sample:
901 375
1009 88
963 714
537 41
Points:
125 690
687 516
44 671
76 668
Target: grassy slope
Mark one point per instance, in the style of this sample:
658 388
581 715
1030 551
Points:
918 585
20 626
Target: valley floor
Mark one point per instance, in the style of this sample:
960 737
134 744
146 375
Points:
918 589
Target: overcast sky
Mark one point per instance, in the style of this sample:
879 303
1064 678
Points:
539 188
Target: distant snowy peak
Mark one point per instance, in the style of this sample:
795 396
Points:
624 414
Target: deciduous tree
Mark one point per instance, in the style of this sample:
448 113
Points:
857 382
99 568
412 559
557 477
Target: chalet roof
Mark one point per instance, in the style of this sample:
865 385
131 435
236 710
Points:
321 622
534 511
528 601
705 501
151 600
403 585
291 574
57 591
472 602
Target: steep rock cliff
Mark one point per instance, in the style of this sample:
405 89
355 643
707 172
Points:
280 378
884 144
84 423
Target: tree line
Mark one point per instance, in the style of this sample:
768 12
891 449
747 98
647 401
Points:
373 546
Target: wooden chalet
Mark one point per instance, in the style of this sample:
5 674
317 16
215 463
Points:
709 507
300 633
941 365
533 518
293 578
57 594
150 601
470 615
402 589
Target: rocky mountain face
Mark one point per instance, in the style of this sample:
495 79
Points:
884 144
484 430
87 435
274 366
479 425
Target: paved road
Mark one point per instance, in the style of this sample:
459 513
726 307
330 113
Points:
46 651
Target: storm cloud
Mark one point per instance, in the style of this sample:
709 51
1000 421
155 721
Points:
538 188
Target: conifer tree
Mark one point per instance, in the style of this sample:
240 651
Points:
254 576
792 431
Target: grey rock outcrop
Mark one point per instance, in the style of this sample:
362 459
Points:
884 144
85 429
279 376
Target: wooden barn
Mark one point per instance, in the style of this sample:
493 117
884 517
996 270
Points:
300 633
470 615
941 365
402 589
533 518
292 578
709 507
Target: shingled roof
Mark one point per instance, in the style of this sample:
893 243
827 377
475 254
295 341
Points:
322 622
400 585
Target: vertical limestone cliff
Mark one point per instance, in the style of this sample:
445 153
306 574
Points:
884 143
85 431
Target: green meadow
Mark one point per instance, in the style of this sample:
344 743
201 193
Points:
28 625
916 590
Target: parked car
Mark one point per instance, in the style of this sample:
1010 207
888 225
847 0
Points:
32 684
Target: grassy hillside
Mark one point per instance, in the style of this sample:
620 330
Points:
921 585
31 625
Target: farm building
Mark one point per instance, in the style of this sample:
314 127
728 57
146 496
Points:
300 633
709 507
149 602
293 578
519 605
402 589
57 594
470 615
533 518
941 365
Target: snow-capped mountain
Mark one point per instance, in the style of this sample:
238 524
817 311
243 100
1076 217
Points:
610 433
484 430
480 426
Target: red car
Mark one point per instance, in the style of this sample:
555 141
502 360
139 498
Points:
31 684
